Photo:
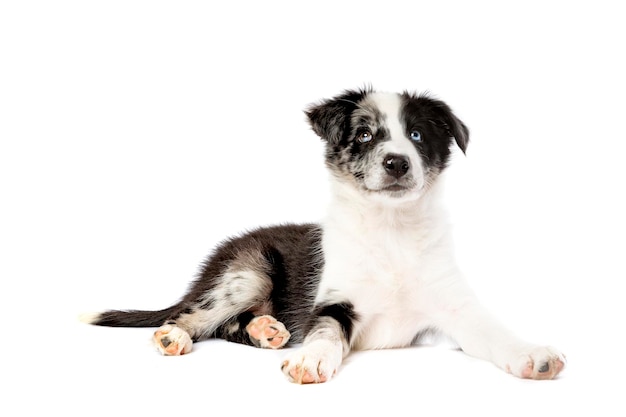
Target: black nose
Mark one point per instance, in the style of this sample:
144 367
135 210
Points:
396 165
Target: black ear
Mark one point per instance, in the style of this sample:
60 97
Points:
459 131
454 126
330 119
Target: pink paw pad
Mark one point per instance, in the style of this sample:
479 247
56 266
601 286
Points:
172 341
538 363
300 375
546 370
267 332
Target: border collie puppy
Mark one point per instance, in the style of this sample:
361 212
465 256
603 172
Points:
377 273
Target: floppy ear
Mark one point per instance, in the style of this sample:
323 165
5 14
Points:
460 132
454 126
330 119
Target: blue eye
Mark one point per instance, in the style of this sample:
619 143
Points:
416 136
364 137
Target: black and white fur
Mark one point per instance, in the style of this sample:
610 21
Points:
378 272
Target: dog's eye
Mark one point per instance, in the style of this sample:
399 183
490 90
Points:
416 136
365 137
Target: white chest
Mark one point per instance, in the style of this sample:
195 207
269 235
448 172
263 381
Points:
386 274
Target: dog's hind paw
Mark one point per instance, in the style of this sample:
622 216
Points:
172 341
267 332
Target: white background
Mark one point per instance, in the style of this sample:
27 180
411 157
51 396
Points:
137 135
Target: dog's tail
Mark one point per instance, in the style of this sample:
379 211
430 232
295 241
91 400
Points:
130 318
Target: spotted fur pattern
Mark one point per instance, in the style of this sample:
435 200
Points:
378 272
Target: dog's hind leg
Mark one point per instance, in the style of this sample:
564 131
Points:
237 308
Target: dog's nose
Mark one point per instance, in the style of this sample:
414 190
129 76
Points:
396 165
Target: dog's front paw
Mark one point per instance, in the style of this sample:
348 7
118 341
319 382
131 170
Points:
172 341
315 362
539 362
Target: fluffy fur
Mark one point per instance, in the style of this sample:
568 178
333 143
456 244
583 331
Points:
376 273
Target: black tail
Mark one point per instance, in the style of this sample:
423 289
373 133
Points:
131 318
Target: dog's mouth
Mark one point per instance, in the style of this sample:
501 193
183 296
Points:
390 187
395 188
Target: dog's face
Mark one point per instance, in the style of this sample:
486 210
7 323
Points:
388 146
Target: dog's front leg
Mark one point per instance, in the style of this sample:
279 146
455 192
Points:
479 334
324 347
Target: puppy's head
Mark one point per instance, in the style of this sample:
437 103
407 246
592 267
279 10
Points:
387 145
